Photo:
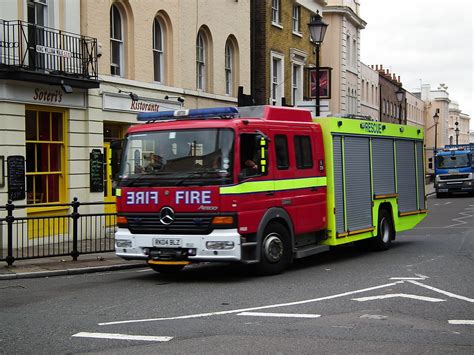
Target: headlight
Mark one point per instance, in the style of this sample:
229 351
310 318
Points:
123 243
220 245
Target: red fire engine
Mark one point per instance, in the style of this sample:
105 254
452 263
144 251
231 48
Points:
263 185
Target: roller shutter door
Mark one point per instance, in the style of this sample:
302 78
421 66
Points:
406 176
421 176
383 166
357 184
338 184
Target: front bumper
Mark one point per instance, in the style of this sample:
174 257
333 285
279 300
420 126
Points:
138 245
455 186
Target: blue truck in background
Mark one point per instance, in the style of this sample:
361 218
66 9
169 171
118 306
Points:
454 169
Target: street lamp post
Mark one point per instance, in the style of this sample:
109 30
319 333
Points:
317 28
457 132
436 121
400 98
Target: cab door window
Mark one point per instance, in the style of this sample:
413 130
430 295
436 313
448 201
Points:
281 152
253 155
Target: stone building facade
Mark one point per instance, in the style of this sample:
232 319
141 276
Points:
341 52
391 110
369 98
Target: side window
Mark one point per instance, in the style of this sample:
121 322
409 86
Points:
253 155
281 152
304 155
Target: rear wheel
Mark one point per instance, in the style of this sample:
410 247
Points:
165 268
385 231
275 253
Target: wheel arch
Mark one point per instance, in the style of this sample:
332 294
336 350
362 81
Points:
278 215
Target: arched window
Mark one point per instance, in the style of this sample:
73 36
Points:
229 68
158 51
201 62
116 42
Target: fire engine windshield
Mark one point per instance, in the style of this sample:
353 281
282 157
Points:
453 161
178 157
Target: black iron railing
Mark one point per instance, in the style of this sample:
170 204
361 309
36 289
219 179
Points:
36 48
69 233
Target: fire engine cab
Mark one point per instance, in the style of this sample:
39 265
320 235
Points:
263 185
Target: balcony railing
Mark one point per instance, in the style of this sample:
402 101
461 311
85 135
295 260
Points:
34 48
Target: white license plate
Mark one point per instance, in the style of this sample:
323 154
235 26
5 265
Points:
167 242
442 190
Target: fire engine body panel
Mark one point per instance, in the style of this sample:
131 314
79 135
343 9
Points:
316 183
454 169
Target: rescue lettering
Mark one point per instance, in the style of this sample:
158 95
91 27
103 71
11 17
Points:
142 197
193 197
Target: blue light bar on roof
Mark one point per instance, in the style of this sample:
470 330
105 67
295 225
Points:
199 113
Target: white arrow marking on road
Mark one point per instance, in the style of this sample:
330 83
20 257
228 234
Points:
449 294
200 315
460 321
420 277
283 315
122 336
402 295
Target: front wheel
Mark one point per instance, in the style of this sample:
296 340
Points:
385 232
275 255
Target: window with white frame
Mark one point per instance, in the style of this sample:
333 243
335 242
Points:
228 68
158 51
37 12
296 18
276 11
277 81
116 42
200 62
297 80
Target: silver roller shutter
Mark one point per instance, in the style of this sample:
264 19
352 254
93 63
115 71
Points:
421 176
338 184
406 176
383 166
358 189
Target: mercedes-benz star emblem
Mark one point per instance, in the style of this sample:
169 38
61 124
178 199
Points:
166 215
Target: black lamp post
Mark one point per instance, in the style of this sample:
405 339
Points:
436 121
457 132
400 98
317 28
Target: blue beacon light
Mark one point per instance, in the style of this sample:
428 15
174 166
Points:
222 112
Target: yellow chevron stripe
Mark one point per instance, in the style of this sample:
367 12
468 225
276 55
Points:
273 185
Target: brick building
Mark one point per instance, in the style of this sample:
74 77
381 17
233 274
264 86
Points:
281 50
391 110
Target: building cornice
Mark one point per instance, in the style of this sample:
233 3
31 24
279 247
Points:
348 13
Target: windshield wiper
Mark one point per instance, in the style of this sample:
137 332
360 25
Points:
196 173
149 177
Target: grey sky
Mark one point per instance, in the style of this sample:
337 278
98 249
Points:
427 41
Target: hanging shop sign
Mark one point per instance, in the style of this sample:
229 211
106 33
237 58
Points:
124 103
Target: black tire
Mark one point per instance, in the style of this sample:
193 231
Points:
385 232
275 254
166 269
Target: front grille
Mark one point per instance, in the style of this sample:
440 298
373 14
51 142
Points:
454 177
184 223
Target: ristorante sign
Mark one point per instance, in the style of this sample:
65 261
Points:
123 103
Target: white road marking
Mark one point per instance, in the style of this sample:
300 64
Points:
460 219
122 336
200 315
402 295
461 321
449 294
420 277
374 316
282 315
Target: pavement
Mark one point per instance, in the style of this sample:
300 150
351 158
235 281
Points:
87 263
64 265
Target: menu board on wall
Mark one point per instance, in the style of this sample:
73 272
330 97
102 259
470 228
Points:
16 177
96 171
